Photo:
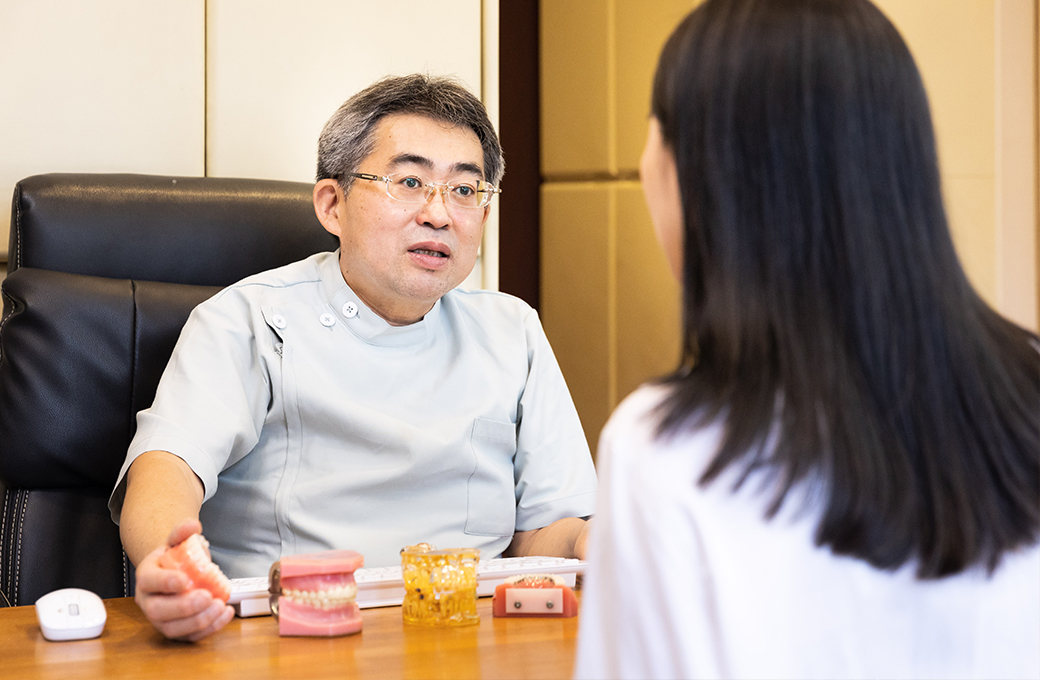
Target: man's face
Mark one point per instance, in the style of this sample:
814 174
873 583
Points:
400 258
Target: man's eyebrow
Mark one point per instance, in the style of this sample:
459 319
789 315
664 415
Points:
427 164
471 168
402 158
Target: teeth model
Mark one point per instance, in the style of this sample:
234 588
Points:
191 557
314 594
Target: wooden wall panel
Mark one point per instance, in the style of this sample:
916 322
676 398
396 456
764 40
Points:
577 308
978 61
576 84
598 58
643 29
648 298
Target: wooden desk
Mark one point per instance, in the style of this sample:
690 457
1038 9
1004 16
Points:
251 648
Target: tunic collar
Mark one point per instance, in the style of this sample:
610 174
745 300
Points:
361 320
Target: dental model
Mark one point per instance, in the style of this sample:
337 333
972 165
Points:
534 595
191 557
314 594
440 586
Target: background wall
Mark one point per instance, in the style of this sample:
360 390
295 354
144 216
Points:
242 87
609 306
231 88
103 86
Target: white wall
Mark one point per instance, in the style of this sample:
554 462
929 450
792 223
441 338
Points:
112 86
276 74
229 88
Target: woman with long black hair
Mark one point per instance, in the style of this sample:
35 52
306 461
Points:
842 478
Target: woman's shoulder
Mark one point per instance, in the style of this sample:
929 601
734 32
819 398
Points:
644 399
634 427
644 408
638 409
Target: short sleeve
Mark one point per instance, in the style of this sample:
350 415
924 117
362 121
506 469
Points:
555 477
212 399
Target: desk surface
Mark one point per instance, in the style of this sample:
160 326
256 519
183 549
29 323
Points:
251 648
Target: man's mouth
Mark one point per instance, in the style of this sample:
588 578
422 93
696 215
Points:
431 253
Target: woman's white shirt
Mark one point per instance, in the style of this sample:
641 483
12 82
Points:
687 581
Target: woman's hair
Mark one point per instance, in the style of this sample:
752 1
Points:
348 136
827 321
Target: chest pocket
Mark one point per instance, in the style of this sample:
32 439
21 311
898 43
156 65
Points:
491 502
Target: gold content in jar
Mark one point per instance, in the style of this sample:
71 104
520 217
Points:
440 585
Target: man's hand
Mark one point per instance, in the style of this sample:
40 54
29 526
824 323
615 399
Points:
582 541
163 595
566 537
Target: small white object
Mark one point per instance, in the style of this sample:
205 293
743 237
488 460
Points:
327 320
249 596
71 614
350 310
254 606
279 321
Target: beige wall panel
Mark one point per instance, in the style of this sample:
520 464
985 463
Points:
973 201
576 82
1018 177
278 70
575 304
953 42
648 298
643 28
100 86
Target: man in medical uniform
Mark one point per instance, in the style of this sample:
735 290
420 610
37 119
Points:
357 399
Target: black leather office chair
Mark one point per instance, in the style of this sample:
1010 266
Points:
103 271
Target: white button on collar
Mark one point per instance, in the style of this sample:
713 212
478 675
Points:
327 320
350 310
279 321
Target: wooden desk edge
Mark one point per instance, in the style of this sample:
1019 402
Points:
251 647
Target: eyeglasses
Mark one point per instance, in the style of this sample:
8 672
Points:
414 189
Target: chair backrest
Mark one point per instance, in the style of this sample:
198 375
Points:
103 271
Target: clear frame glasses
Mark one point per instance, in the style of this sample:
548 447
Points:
408 188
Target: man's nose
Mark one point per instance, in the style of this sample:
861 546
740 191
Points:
435 211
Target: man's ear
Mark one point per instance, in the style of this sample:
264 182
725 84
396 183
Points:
328 202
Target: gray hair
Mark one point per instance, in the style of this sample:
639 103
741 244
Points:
347 138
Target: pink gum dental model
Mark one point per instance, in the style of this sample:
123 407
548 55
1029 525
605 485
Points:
314 594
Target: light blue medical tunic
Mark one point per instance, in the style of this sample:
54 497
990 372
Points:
315 425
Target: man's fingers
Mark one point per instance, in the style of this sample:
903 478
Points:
198 625
181 532
223 618
177 613
153 579
162 609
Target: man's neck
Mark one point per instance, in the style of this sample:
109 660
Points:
394 314
405 319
